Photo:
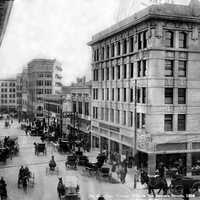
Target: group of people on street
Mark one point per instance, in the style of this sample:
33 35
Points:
24 173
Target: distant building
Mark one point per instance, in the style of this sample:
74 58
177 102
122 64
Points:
8 97
44 78
81 104
145 86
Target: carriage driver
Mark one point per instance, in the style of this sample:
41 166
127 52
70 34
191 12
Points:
52 163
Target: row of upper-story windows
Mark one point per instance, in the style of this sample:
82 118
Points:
8 90
11 84
170 39
122 94
122 72
47 75
45 82
121 47
5 101
169 95
80 107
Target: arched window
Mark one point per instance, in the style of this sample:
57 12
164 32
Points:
182 40
169 39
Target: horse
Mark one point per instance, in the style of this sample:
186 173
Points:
60 188
155 182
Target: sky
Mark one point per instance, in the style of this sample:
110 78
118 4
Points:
59 29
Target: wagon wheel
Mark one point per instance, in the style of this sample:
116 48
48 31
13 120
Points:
196 189
177 189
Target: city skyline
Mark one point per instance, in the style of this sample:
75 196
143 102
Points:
33 33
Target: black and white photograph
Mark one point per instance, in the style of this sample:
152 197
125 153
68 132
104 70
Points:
99 99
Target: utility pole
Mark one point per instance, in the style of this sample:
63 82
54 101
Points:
61 117
135 127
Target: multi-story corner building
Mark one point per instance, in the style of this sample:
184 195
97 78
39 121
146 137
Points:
44 77
8 97
81 104
146 82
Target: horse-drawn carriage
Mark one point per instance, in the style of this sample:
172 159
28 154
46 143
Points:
4 154
7 124
71 162
83 160
40 148
26 179
182 185
64 145
70 189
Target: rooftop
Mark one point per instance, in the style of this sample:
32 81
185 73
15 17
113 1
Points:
189 13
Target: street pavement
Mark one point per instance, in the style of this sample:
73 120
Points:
45 185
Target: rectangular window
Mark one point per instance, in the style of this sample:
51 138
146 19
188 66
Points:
139 68
169 39
145 39
124 117
143 120
118 94
169 68
107 51
138 120
102 53
107 73
87 108
102 113
124 94
118 117
168 123
182 40
139 40
168 95
106 114
118 71
131 44
102 74
102 93
131 118
80 107
181 96
131 70
113 94
107 95
112 115
118 48
138 95
94 93
131 95
113 73
181 122
182 64
125 70
124 46
112 50
143 95
144 63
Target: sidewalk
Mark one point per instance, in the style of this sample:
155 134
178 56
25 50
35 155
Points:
129 182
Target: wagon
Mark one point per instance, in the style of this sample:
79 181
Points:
83 160
71 162
72 190
179 183
104 174
40 148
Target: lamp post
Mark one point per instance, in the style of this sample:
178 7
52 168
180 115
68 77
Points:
135 126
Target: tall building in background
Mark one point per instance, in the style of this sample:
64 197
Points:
8 97
145 87
44 78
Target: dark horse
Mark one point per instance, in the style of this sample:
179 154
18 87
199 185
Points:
154 183
60 188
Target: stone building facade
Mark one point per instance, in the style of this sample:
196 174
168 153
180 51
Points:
8 95
145 85
44 78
